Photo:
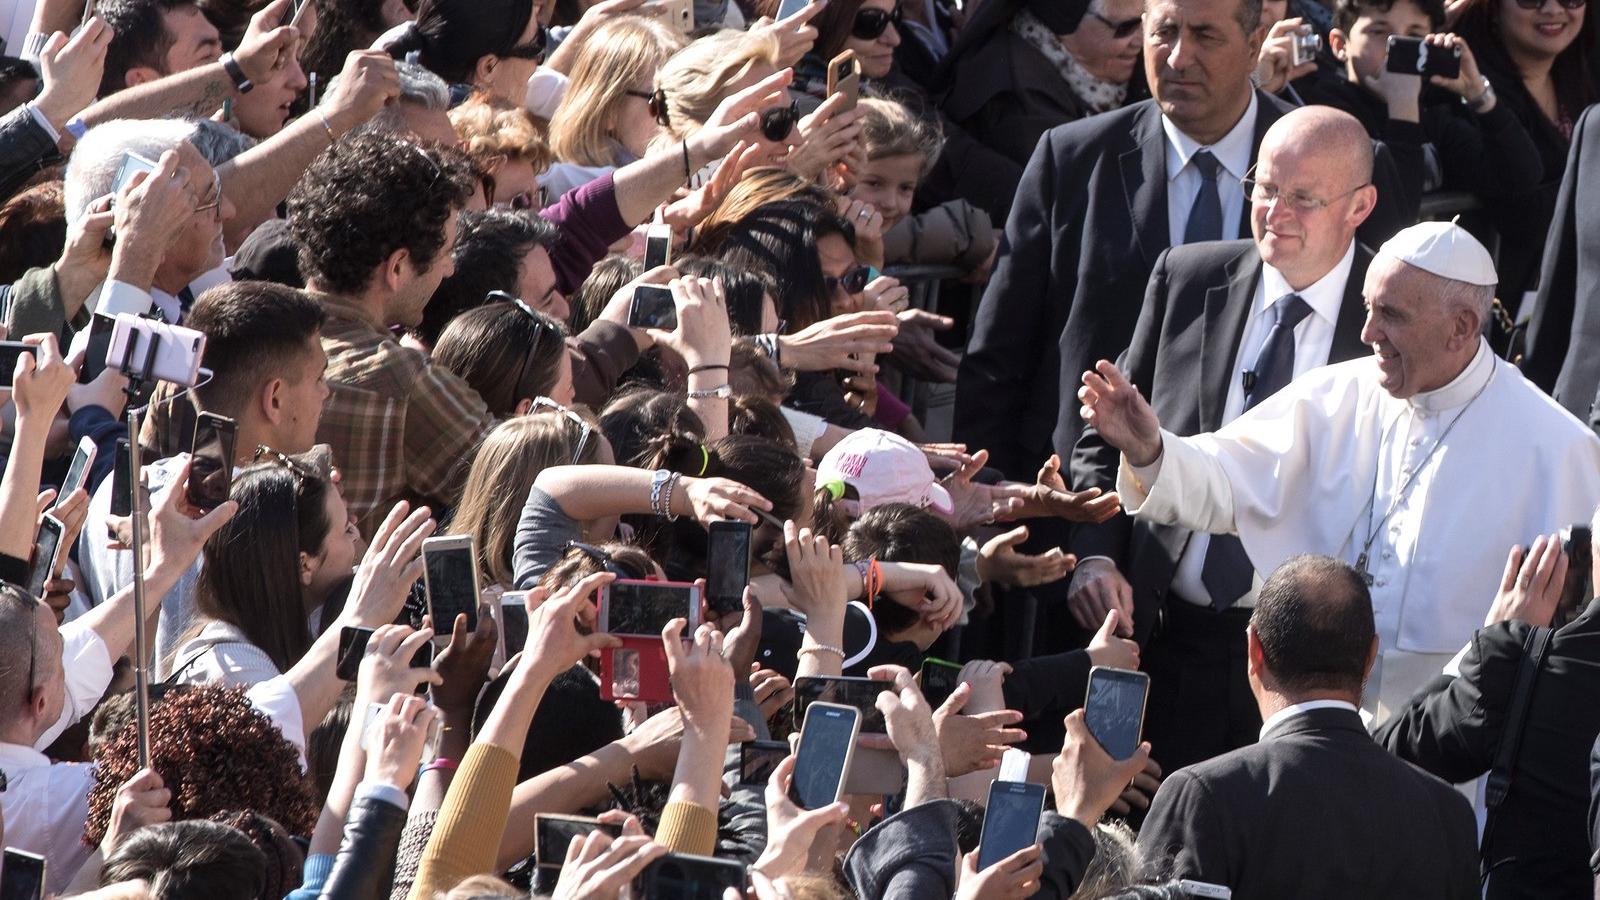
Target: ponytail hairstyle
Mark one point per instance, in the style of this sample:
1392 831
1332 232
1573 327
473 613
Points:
452 35
756 416
644 424
765 466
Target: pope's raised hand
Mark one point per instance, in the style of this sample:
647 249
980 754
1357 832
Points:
1113 407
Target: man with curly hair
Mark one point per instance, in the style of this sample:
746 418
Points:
376 220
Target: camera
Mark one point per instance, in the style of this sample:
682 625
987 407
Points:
1304 47
1578 589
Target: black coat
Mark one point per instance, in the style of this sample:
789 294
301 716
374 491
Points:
1315 810
1563 353
1453 728
1195 312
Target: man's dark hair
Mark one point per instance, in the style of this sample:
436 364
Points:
254 330
369 196
1346 12
139 38
488 255
1248 15
900 532
189 860
14 69
1313 618
570 722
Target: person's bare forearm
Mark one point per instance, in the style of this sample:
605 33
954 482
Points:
642 186
19 491
195 92
257 180
698 776
925 779
577 785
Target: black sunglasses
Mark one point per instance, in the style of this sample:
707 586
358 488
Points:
605 559
853 281
533 49
657 101
1119 30
540 323
1537 4
779 121
871 22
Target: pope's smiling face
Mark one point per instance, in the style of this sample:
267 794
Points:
1418 325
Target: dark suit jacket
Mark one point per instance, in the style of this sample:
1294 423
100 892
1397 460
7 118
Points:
1315 810
1194 316
1453 728
1563 354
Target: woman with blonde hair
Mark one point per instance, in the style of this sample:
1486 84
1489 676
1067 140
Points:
611 111
507 144
708 71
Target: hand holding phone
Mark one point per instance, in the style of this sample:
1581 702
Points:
450 574
653 307
1011 820
211 465
844 77
827 744
1114 709
727 565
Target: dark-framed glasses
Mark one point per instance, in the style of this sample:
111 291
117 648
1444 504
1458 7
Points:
852 282
1119 30
779 121
871 22
657 101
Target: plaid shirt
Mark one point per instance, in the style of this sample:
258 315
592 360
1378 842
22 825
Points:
401 428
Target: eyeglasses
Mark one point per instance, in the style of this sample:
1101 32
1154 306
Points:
853 281
871 22
215 195
1119 30
778 122
533 49
1267 194
606 560
1539 4
539 322
585 429
657 101
299 469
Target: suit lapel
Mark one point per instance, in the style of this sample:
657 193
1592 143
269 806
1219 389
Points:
1144 183
1352 311
1227 307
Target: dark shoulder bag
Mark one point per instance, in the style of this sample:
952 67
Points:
1498 785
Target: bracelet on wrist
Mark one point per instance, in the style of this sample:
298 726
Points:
822 648
708 367
720 392
241 81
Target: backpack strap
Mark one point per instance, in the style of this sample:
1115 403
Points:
1498 785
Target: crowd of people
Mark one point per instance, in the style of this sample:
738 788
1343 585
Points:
1268 331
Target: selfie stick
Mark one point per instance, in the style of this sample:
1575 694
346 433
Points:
141 656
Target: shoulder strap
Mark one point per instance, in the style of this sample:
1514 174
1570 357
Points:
1498 784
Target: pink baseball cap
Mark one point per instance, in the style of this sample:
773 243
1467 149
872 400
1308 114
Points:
884 468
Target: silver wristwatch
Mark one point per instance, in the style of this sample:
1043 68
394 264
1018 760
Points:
1484 99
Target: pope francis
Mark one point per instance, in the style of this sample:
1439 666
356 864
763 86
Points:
1420 465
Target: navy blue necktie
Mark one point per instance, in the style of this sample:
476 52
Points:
1205 216
1227 572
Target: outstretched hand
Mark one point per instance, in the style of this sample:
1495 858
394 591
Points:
1113 407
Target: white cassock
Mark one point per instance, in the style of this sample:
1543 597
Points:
1433 491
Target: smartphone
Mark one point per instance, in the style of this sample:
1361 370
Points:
938 678
450 574
211 466
22 877
98 346
653 308
1114 709
514 620
122 481
1010 820
156 350
844 77
643 608
757 759
680 15
352 646
682 876
1205 890
77 470
860 693
10 352
727 565
827 744
789 7
552 834
1412 56
1577 590
657 246
46 549
299 10
132 165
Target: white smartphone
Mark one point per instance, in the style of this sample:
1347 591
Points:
827 745
177 349
657 246
77 470
450 574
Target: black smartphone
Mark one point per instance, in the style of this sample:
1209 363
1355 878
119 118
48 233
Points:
352 646
1010 820
45 550
22 877
653 308
450 574
727 565
827 744
94 355
211 466
1578 589
10 352
77 470
1114 709
643 608
657 246
681 876
757 759
122 480
939 678
551 836
861 693
1412 56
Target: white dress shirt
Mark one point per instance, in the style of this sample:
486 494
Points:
1313 340
1183 179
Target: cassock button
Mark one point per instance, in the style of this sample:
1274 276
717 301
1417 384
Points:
1388 554
1379 583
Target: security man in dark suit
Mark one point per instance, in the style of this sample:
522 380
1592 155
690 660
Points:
1224 325
1316 808
1537 843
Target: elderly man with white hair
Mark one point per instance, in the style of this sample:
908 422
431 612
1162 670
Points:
1417 465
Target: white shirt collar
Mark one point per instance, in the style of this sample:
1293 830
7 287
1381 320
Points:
15 758
1289 712
1233 151
1463 387
1324 296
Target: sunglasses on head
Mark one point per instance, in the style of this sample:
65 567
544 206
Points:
871 22
585 430
779 121
533 49
657 101
853 281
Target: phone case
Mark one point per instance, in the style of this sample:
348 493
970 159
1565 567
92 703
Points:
847 84
177 354
851 753
637 671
